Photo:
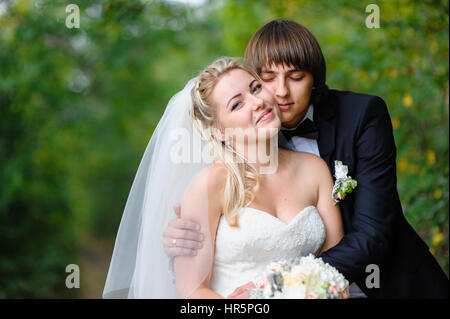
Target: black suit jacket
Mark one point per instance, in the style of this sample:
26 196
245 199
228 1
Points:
356 129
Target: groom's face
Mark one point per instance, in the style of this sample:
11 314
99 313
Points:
292 89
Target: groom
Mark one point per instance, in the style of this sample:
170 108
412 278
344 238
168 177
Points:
380 251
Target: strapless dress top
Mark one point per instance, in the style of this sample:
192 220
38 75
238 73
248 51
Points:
242 253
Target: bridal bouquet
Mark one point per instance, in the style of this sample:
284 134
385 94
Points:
304 278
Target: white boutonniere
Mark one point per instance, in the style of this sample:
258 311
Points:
344 184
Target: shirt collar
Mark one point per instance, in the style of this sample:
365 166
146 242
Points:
309 115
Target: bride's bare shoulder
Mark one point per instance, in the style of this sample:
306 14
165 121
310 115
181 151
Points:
307 166
213 175
207 187
303 159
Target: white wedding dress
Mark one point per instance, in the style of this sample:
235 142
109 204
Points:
243 253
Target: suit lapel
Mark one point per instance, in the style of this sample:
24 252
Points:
325 119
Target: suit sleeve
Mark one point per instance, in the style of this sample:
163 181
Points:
374 199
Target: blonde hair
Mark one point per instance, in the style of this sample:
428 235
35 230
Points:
242 180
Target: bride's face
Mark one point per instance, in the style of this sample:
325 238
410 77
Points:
243 105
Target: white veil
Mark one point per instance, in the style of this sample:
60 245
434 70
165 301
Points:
175 154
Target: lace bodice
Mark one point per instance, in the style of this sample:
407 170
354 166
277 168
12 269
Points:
242 253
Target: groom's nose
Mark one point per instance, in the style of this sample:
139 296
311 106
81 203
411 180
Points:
281 88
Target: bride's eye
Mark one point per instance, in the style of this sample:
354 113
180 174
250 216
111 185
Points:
256 88
235 105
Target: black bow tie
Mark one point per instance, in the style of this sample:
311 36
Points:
307 129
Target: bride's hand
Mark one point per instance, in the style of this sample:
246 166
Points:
182 237
242 292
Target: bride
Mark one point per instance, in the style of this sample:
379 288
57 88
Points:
252 212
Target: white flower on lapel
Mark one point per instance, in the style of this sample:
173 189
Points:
340 171
344 184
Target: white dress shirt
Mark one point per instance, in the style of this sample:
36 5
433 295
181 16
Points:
301 144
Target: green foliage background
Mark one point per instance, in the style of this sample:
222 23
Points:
78 106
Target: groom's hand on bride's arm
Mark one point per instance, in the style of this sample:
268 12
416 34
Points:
182 237
242 291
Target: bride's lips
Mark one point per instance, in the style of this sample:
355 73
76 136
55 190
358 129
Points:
285 107
266 115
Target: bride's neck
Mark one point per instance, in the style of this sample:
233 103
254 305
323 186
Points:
263 155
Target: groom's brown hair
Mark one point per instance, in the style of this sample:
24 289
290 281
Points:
288 42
